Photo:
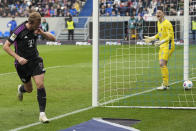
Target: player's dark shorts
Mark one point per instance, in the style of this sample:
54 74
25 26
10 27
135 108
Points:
32 68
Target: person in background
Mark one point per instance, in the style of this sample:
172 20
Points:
73 11
45 26
193 27
70 27
140 26
132 27
12 24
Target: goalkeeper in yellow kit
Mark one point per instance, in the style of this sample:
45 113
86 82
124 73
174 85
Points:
165 39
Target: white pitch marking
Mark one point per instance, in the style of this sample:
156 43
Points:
8 73
51 67
54 118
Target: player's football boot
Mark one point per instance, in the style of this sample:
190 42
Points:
43 118
20 94
162 87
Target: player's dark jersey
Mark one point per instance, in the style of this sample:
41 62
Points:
24 42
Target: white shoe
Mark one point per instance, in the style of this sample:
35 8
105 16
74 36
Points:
43 118
20 94
162 87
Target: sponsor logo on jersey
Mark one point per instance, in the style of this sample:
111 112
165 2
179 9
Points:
23 79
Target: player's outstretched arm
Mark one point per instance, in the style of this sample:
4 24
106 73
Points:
158 43
148 39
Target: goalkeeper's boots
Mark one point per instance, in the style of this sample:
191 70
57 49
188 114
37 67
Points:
163 87
20 94
43 118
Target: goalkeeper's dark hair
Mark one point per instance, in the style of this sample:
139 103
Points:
160 8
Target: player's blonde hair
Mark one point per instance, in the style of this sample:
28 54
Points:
35 16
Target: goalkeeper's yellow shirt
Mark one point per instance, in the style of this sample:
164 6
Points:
166 33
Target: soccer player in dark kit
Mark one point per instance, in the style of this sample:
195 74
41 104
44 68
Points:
27 61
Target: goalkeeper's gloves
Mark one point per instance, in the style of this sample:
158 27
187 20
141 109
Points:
158 43
149 39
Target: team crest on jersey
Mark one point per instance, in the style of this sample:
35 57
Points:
13 37
160 34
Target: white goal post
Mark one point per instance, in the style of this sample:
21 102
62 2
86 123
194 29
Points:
95 53
186 40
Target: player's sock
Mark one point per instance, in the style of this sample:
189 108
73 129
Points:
41 97
22 89
165 75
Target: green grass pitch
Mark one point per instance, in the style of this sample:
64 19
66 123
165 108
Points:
68 81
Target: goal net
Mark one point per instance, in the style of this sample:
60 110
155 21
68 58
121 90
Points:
128 68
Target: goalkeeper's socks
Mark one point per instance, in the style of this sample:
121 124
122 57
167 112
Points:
22 89
165 75
41 98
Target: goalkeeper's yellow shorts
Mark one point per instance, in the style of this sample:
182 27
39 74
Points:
165 53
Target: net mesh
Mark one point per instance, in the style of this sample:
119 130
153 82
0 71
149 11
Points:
129 70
